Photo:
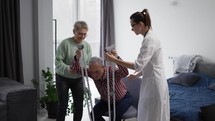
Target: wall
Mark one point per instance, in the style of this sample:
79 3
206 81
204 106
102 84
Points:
184 28
37 37
26 16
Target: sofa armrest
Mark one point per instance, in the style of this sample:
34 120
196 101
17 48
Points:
18 96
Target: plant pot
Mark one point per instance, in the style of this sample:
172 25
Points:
52 109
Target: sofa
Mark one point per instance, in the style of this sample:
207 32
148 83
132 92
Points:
18 102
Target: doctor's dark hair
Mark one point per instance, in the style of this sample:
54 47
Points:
143 16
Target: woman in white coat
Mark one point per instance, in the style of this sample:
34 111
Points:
154 95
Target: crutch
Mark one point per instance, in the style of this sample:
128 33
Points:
108 49
83 65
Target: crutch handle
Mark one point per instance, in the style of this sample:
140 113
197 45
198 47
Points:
109 48
80 46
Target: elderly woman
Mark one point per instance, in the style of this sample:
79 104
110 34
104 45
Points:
73 81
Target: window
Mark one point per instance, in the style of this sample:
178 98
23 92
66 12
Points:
67 12
90 12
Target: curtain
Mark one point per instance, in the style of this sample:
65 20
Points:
107 25
11 65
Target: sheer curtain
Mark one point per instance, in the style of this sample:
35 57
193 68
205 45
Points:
107 34
10 40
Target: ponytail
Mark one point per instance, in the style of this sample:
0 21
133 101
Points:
142 17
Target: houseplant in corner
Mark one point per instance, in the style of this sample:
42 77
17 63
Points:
49 97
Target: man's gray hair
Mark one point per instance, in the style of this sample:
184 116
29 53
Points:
96 60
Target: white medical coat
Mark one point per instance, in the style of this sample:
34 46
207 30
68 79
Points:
154 94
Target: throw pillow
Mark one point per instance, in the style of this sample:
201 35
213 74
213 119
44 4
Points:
186 79
212 86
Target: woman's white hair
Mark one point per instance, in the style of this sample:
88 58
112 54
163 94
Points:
80 25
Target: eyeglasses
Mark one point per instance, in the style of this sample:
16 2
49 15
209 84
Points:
132 25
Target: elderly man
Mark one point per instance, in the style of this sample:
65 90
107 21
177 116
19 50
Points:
98 72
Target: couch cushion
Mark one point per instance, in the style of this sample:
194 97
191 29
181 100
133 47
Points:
3 111
131 112
186 79
8 86
18 97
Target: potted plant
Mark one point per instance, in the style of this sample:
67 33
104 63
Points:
49 99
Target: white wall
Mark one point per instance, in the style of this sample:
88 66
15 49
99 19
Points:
185 28
37 37
26 21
